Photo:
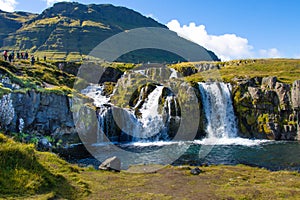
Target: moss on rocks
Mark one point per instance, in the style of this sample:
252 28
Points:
258 106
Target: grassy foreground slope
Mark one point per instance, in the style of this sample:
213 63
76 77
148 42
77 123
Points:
25 172
28 174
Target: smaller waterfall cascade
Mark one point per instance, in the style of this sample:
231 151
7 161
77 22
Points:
151 121
95 92
140 100
171 107
218 108
147 125
174 73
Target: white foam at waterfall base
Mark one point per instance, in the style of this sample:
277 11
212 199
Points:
231 141
155 143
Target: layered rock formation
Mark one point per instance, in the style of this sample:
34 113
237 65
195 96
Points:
44 114
267 108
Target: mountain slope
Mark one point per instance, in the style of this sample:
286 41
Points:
75 29
11 22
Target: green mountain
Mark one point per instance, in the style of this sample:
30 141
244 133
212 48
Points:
11 22
70 30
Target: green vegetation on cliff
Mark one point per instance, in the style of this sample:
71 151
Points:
43 77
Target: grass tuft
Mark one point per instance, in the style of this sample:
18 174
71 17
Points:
25 172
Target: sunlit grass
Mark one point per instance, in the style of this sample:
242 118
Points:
25 172
286 70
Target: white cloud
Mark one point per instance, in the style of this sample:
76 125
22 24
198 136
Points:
227 46
269 53
8 5
51 2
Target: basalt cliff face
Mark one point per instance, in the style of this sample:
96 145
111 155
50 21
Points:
267 108
39 115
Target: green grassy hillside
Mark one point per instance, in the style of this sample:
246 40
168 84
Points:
74 27
11 22
286 70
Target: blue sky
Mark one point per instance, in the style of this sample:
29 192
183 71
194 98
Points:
232 28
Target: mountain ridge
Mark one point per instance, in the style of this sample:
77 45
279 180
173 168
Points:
73 29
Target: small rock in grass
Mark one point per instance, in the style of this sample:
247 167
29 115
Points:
196 171
44 145
111 164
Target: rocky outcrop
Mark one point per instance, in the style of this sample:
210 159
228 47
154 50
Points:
196 171
179 102
193 68
46 114
296 95
267 108
296 104
207 66
110 75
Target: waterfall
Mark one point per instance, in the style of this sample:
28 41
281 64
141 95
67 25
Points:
218 108
173 74
140 99
151 121
95 92
171 105
147 125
